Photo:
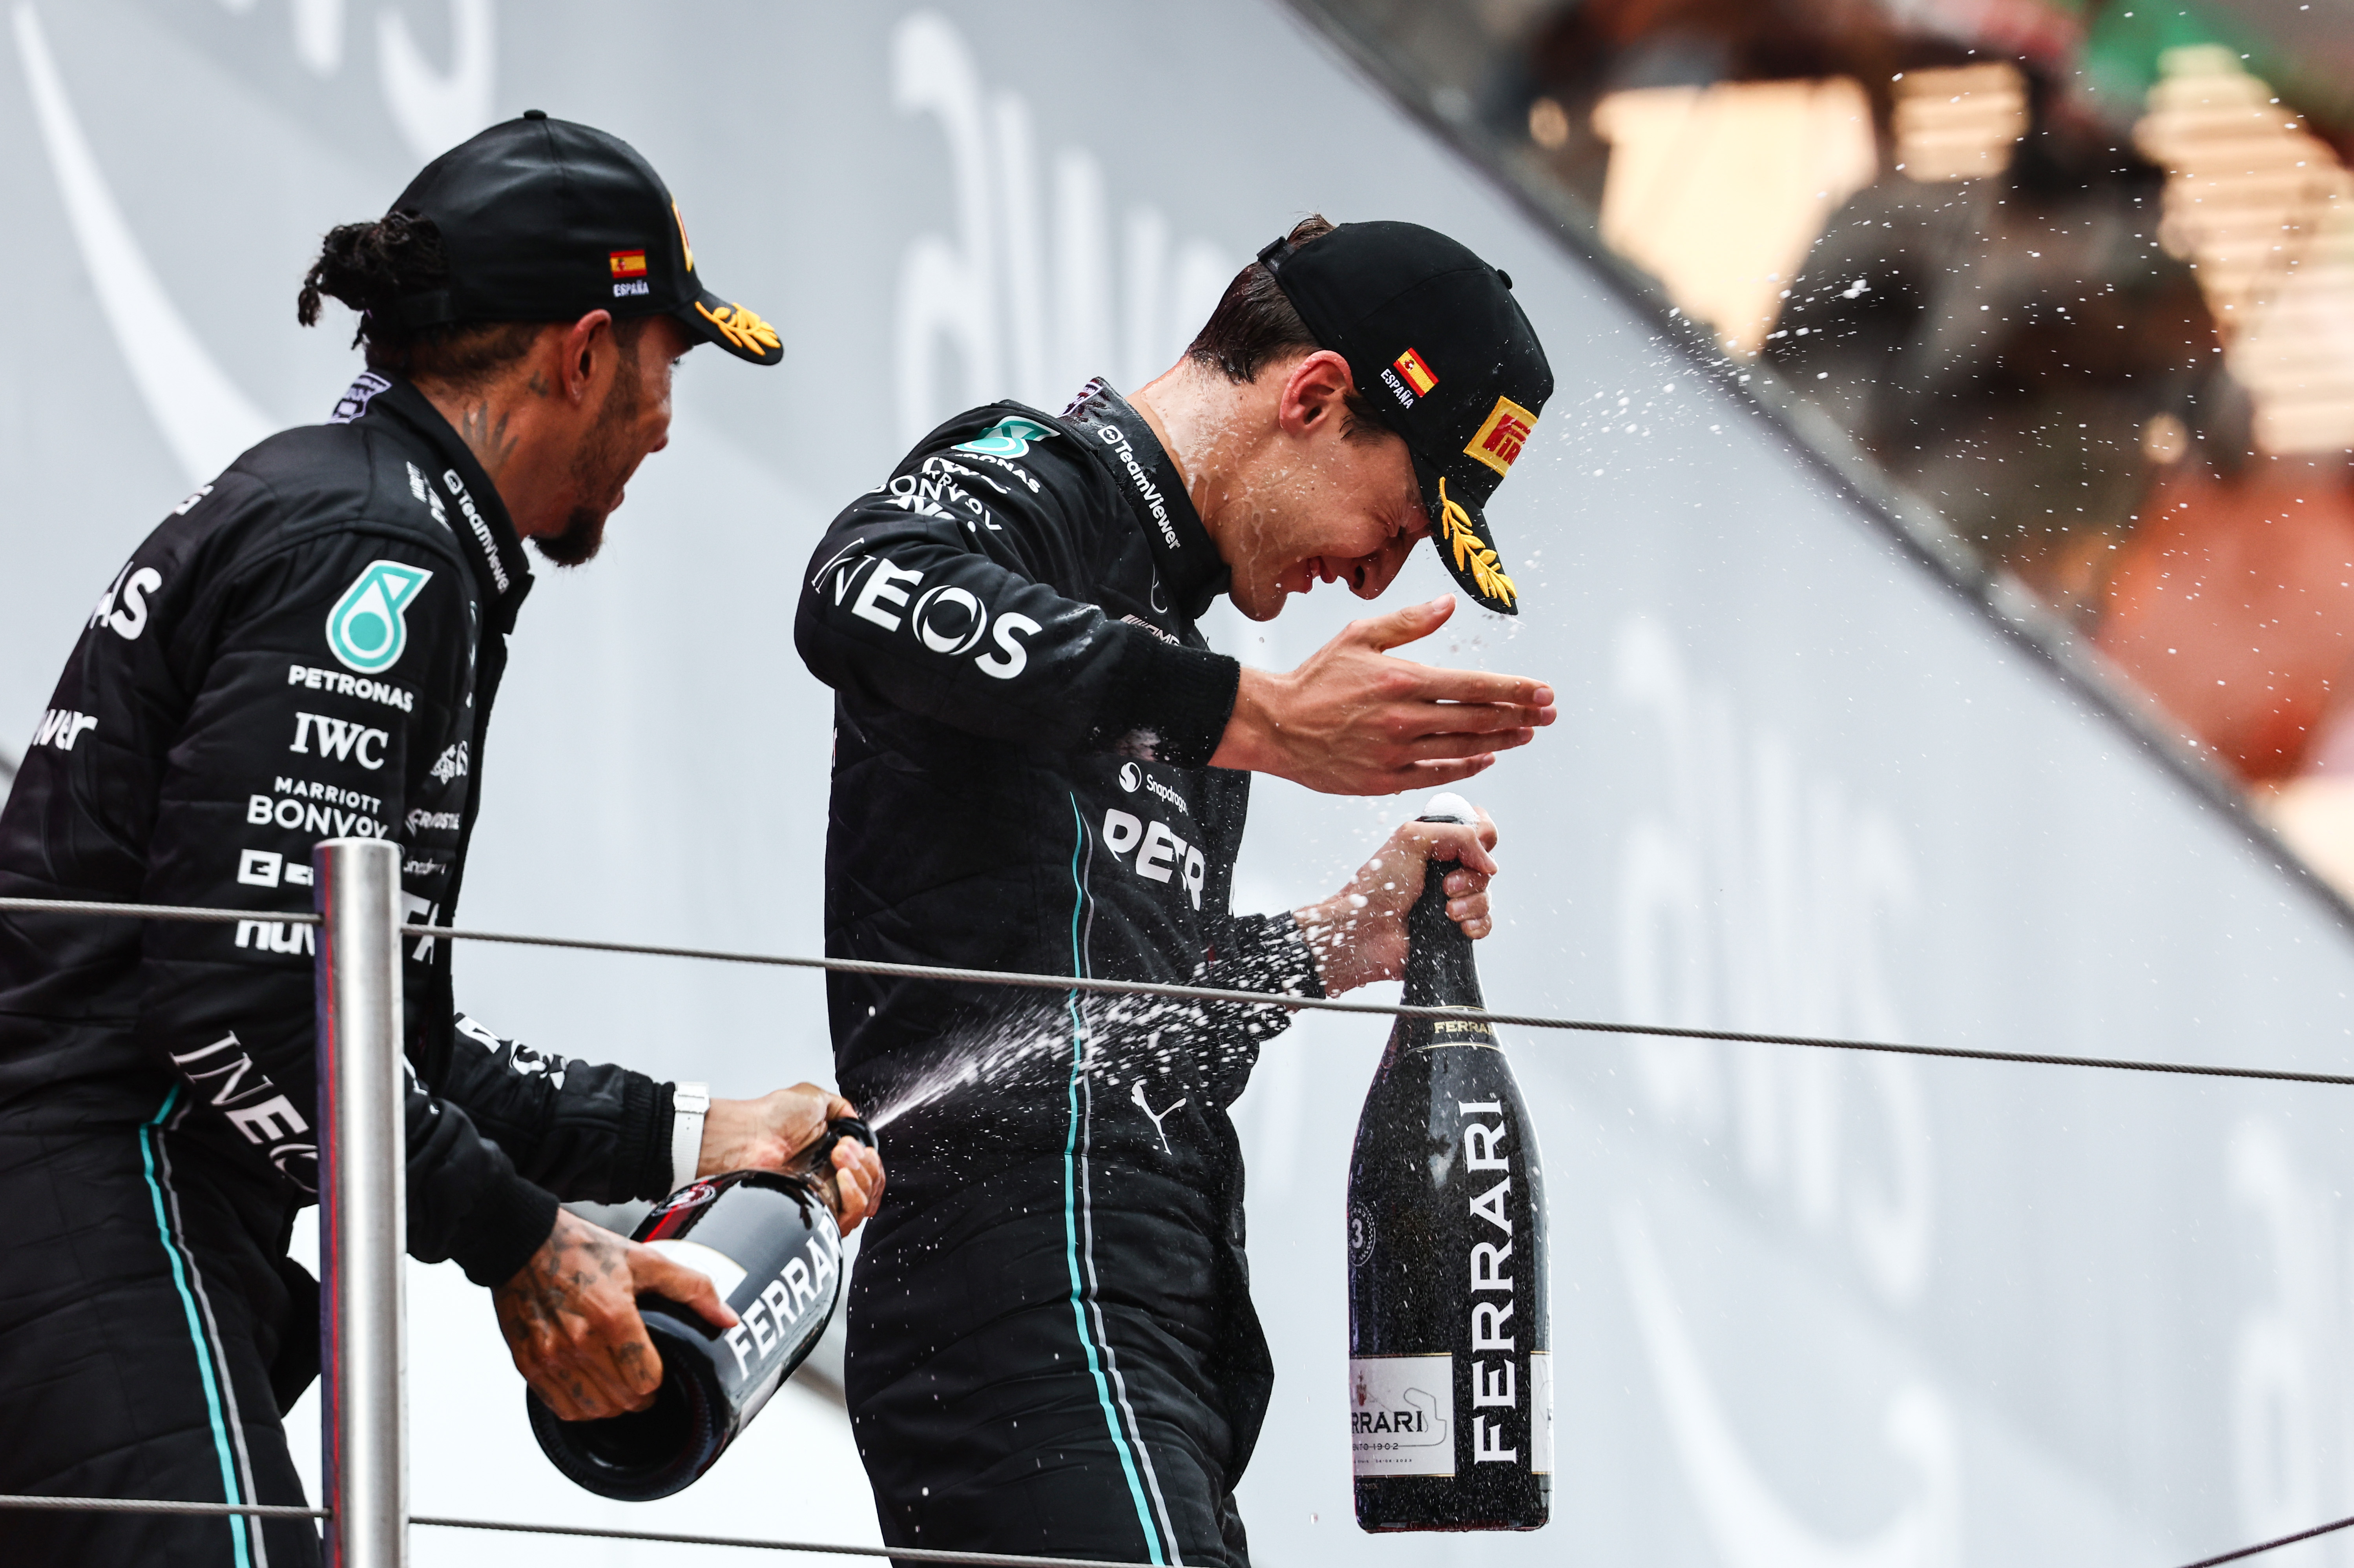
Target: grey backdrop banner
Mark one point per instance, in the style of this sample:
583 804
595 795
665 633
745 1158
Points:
1812 1312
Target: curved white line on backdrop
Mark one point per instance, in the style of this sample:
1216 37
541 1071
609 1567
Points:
947 288
1747 1523
319 34
437 110
204 419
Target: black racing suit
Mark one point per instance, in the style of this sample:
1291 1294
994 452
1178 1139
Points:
307 648
1051 1345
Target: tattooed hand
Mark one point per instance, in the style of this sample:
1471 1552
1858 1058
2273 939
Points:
766 1133
570 1317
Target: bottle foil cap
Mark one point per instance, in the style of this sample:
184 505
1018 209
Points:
1449 807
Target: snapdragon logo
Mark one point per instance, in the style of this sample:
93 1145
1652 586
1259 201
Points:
367 630
1132 779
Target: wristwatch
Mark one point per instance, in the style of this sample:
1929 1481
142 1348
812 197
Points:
688 1105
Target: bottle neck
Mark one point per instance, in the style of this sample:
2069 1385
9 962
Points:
1439 968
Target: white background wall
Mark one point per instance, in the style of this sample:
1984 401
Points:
1811 1312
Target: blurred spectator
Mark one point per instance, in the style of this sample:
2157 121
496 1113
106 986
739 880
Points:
2014 346
2232 606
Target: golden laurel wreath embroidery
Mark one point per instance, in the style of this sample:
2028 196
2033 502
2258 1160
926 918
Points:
1455 527
741 327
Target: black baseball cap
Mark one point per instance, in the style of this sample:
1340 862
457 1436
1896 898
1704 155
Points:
1435 342
546 220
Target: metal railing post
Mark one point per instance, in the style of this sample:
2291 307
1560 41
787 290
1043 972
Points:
364 1209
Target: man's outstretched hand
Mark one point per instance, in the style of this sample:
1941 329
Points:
1354 721
766 1133
570 1317
1358 934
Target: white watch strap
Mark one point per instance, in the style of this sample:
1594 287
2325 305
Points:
688 1104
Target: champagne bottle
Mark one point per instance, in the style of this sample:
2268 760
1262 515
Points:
1450 1374
768 1243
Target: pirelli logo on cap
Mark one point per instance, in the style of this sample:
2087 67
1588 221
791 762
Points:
627 263
1502 435
1417 375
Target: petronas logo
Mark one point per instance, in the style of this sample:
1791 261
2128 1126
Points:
1009 438
365 630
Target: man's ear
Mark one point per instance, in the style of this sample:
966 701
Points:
582 344
1314 393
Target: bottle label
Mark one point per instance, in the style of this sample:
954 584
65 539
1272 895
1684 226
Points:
1401 1415
1460 1032
724 1272
1541 1413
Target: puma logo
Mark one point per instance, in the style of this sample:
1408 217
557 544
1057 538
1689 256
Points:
1136 1093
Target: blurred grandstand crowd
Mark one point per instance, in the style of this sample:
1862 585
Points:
2078 275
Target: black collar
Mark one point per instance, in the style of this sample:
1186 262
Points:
1188 561
486 534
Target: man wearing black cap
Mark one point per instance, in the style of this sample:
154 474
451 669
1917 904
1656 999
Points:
1040 766
308 648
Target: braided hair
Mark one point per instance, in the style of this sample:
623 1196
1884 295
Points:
371 268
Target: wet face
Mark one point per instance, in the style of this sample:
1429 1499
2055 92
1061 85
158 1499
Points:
632 422
1343 508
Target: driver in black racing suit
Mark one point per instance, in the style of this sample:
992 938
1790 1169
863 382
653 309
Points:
309 648
1041 767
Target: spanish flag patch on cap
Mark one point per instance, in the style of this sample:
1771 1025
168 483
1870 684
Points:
1417 375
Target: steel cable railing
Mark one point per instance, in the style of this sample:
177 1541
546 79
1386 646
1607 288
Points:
35 1503
754 1544
1168 989
671 1538
2242 1553
358 886
581 1531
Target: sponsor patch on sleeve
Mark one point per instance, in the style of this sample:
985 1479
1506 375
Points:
367 629
1009 438
357 396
